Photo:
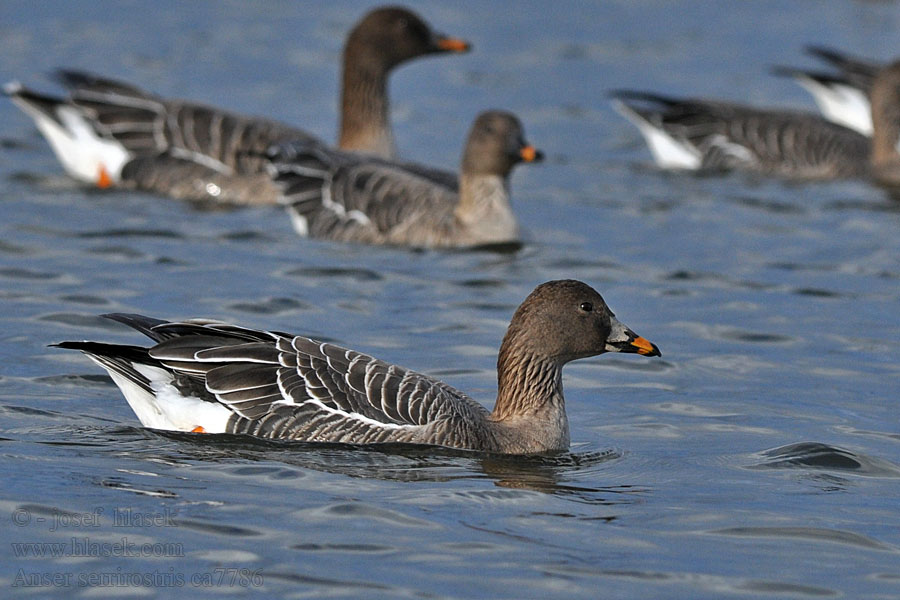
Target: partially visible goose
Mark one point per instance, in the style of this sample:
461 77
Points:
212 377
112 133
712 135
357 198
843 97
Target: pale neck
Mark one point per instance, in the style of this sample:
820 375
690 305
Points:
484 207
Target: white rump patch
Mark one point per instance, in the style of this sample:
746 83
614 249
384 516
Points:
165 408
841 104
668 152
78 147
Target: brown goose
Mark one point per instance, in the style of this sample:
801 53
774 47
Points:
112 133
711 135
212 377
357 198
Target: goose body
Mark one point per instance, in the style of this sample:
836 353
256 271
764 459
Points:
709 135
357 198
212 377
107 132
723 136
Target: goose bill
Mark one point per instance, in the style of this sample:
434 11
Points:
623 339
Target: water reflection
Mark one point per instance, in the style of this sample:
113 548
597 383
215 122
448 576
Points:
556 474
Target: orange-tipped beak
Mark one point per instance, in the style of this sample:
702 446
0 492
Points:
645 346
449 44
622 339
531 154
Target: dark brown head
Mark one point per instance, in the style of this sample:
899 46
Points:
390 35
496 143
565 320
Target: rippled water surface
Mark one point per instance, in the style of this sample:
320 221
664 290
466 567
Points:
759 457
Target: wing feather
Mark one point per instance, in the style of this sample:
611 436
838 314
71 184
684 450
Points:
353 197
299 388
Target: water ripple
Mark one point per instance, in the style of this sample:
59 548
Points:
713 583
361 275
271 306
216 528
835 536
815 455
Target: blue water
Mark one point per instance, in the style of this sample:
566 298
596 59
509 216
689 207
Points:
758 458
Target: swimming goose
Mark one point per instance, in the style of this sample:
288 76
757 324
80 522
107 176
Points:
212 377
112 133
843 97
712 135
357 198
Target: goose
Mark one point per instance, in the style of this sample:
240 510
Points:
206 376
698 134
842 97
110 133
356 198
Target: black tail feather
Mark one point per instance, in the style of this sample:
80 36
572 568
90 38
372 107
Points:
820 76
123 351
139 322
78 80
44 103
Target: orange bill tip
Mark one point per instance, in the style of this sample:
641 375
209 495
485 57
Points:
528 153
103 179
449 44
644 346
198 429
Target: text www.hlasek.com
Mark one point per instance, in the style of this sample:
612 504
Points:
86 547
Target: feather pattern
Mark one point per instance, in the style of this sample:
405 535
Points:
209 376
257 378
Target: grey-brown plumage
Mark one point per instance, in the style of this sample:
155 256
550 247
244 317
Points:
213 377
192 151
712 135
357 198
722 136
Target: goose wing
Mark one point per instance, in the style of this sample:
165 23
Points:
147 125
293 387
355 197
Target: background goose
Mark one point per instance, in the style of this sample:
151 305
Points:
713 135
206 376
842 96
357 198
112 133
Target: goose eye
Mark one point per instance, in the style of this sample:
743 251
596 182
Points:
587 307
